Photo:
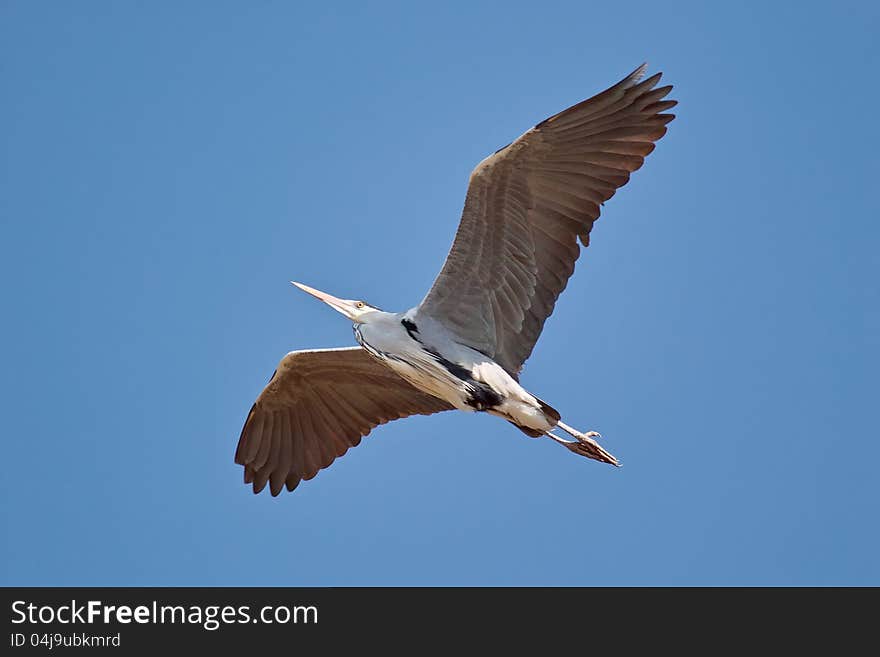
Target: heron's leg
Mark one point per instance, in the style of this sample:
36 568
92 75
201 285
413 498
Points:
584 445
561 441
577 434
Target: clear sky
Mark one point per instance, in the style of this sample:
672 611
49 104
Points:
167 168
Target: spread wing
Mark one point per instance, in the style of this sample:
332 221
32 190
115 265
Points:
317 405
526 207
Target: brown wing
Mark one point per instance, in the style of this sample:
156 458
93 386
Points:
526 207
317 405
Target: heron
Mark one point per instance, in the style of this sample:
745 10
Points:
529 210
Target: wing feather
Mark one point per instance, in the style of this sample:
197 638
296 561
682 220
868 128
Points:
282 467
265 442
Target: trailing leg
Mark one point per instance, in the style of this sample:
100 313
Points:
584 444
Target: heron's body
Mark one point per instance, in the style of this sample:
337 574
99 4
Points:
424 353
529 209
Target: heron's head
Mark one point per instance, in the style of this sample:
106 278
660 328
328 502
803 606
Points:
357 311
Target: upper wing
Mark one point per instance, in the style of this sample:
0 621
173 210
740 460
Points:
317 405
527 205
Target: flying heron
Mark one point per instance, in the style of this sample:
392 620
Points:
464 345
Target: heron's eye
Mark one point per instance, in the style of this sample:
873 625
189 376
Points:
360 304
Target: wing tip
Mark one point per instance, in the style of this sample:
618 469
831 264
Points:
637 74
255 480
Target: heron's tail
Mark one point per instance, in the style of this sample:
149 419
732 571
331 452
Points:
549 412
551 415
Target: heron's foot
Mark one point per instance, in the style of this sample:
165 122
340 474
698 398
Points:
590 434
586 446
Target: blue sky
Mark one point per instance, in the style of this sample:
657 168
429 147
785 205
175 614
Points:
167 167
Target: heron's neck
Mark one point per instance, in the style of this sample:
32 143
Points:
381 334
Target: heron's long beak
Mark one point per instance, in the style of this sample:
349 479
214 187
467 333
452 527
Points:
343 306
